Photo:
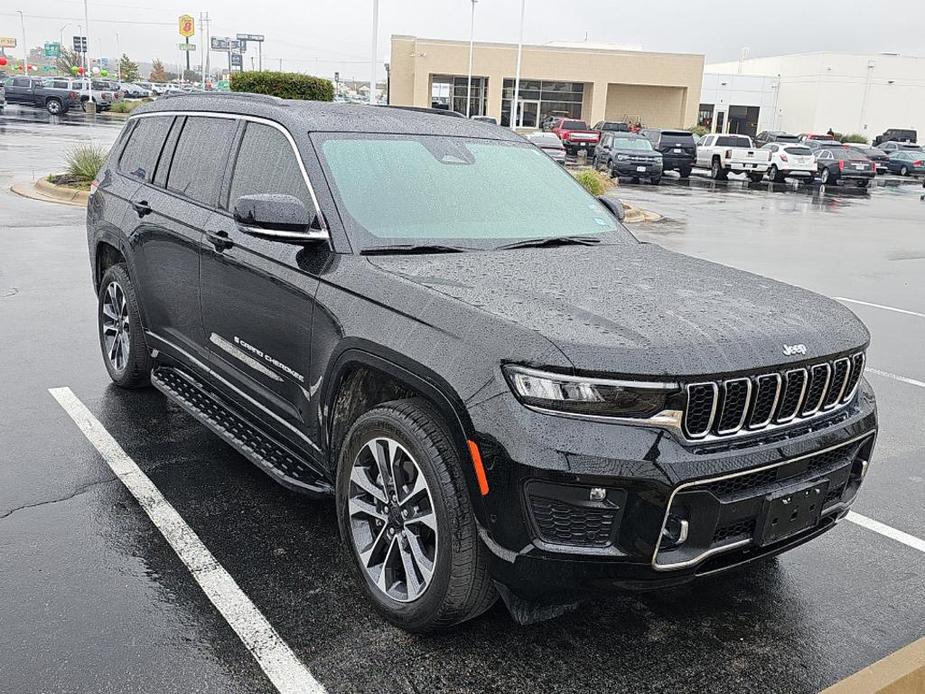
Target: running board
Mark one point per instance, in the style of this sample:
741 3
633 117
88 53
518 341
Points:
277 460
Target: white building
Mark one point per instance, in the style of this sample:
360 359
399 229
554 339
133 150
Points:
743 104
849 93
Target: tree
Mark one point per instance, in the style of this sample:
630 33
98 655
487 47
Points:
128 71
67 60
158 74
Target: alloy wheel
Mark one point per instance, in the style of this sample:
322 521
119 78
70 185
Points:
392 520
116 326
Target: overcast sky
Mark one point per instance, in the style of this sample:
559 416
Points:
321 36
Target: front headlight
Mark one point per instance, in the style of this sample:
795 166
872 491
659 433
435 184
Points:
589 396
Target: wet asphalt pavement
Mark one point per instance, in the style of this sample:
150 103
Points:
93 599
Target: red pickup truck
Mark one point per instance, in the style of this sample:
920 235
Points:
575 135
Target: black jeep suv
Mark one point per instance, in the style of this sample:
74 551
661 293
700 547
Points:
427 318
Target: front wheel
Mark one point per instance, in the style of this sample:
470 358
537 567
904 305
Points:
404 510
54 106
122 338
717 171
775 174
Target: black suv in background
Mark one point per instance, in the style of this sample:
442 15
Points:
628 154
678 149
766 137
505 392
895 135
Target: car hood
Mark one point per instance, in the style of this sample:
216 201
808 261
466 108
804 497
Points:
639 309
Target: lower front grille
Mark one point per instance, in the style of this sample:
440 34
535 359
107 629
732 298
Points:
564 524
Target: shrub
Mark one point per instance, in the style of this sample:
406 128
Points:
84 162
125 106
854 137
286 85
698 130
593 181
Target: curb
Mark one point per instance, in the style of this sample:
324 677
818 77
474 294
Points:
902 672
636 215
49 192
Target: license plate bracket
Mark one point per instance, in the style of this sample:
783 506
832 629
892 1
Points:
790 511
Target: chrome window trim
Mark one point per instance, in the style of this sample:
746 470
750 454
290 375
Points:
263 121
752 426
694 483
844 384
786 420
748 399
687 389
825 389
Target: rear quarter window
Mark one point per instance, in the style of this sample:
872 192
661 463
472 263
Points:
139 158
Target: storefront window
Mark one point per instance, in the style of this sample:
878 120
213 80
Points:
705 116
541 99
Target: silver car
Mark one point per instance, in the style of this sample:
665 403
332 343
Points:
550 144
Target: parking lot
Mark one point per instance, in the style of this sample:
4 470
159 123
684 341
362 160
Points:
95 599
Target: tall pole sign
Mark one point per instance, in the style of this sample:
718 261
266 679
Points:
187 29
258 39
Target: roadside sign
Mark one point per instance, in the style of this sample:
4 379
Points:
51 49
236 60
250 37
80 44
7 42
187 25
223 44
186 46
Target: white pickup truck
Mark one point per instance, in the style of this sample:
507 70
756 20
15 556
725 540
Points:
736 153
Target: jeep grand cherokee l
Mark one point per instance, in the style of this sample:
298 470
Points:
504 390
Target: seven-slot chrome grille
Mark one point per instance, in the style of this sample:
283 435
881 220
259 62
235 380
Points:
751 403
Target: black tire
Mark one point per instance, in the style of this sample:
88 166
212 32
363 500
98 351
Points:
903 171
83 104
826 177
460 587
655 180
54 107
756 177
717 171
611 169
775 174
862 183
685 172
136 370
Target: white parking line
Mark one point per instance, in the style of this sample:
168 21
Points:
287 673
885 308
886 531
901 379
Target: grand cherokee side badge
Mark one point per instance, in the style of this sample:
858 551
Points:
794 349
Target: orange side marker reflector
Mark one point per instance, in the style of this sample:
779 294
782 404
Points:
479 468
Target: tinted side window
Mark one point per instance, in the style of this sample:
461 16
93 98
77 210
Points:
144 146
267 164
199 160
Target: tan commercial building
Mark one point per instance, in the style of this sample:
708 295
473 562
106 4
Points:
660 90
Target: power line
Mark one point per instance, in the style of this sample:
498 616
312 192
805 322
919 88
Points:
80 19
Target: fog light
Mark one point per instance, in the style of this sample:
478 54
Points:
864 466
598 494
674 532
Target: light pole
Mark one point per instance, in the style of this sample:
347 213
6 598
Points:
118 59
520 50
90 103
372 57
61 34
471 42
25 51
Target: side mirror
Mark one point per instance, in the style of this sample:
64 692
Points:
614 205
277 217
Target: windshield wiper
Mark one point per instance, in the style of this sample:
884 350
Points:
411 248
551 241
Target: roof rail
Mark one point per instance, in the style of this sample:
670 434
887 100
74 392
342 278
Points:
425 109
225 95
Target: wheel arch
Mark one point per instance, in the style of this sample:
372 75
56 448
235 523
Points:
109 251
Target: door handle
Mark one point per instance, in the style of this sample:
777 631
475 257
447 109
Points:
220 240
142 208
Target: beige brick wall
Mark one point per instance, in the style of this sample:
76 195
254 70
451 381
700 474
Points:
655 107
676 77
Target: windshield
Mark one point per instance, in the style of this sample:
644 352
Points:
675 138
799 151
472 193
546 140
632 143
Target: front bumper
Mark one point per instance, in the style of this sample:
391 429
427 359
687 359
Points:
551 540
636 168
